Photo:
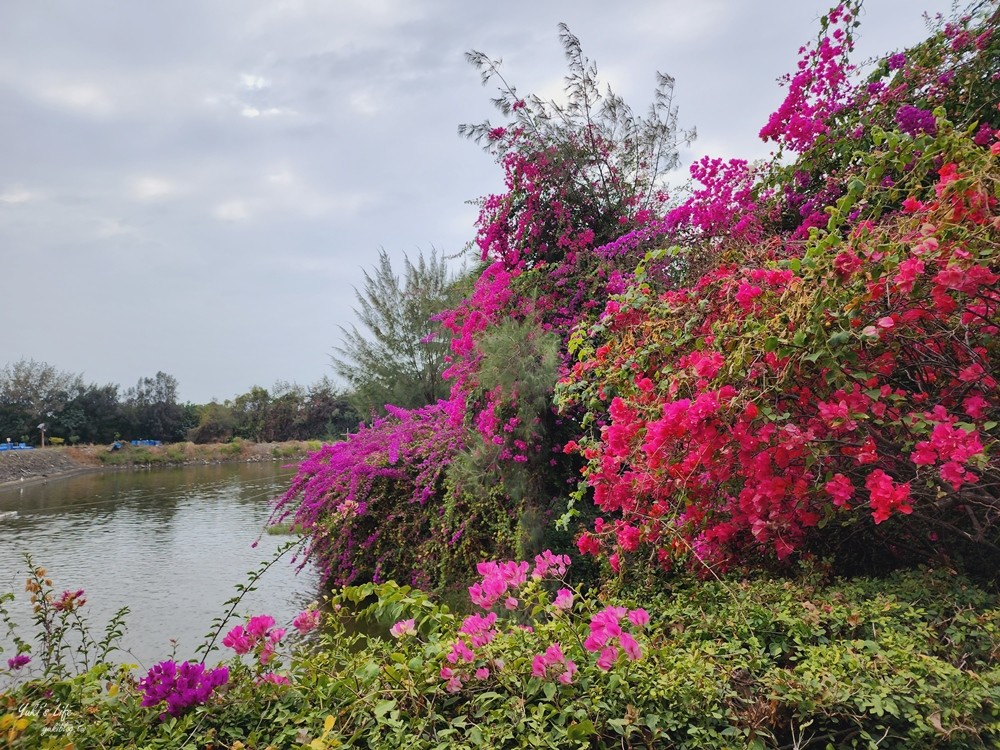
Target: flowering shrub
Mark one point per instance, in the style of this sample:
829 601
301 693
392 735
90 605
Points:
538 676
378 504
576 177
793 348
64 641
838 371
515 598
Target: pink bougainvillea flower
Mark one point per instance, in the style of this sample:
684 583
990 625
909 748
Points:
563 600
238 640
403 627
607 659
258 626
274 678
638 617
306 621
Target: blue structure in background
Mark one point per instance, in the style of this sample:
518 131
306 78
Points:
145 442
15 447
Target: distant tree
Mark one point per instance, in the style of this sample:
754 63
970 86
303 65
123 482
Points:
328 414
283 413
216 424
94 416
250 413
152 410
32 393
398 355
287 412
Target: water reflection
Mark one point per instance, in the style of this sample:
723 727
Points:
169 543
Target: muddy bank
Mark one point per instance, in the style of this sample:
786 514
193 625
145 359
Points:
37 465
42 464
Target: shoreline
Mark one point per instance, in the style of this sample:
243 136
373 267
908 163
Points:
45 478
42 465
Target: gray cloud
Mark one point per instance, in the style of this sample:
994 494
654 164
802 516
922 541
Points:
196 186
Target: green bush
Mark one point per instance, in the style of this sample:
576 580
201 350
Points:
905 662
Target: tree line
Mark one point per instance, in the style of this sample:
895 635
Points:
397 358
37 396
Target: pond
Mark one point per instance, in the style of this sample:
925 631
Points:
171 544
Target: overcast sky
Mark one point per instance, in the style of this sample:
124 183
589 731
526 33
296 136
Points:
196 186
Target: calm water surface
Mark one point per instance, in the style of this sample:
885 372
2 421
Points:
171 544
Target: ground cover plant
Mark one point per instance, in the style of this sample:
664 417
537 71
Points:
908 661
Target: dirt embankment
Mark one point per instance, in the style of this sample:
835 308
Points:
42 464
20 466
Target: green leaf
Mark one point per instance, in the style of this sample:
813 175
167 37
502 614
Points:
580 732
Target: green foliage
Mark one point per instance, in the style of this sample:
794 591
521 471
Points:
518 369
286 412
33 392
904 662
233 448
152 410
129 455
216 423
398 356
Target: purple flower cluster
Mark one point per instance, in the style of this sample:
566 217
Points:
896 61
914 121
353 495
18 661
180 685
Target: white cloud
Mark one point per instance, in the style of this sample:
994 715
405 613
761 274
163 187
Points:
234 210
364 103
681 23
282 177
81 97
17 195
151 188
355 20
254 83
253 112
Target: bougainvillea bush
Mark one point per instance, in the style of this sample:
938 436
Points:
379 505
792 357
577 177
828 385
